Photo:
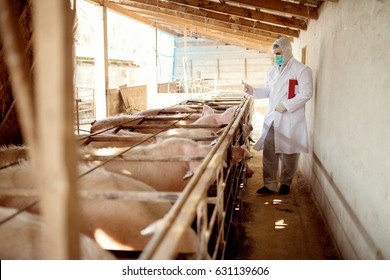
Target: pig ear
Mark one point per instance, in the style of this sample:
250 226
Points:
224 163
247 154
153 227
207 110
230 110
215 141
188 174
248 127
226 116
238 153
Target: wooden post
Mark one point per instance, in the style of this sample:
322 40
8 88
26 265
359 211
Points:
218 70
246 69
55 162
105 53
185 60
101 62
303 59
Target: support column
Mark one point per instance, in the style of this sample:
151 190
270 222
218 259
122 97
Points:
101 63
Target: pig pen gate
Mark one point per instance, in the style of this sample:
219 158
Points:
46 103
210 198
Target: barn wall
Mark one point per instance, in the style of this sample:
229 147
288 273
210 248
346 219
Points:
225 65
348 119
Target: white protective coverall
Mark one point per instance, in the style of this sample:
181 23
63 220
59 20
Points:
290 126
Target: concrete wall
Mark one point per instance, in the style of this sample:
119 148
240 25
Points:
349 123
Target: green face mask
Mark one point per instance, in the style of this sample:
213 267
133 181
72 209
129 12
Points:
279 60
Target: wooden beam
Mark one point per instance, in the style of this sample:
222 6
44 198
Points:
55 162
237 11
212 18
171 21
232 39
105 42
221 34
300 10
229 37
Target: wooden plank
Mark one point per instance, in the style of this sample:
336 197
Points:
290 8
115 104
213 20
209 6
141 126
167 87
142 158
134 98
55 162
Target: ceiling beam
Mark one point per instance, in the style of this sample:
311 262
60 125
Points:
169 19
231 39
229 21
223 35
172 21
293 9
215 19
237 11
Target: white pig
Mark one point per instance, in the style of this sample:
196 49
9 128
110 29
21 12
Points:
12 154
134 120
194 134
130 138
248 171
223 118
114 121
115 224
207 110
161 175
173 109
22 238
122 138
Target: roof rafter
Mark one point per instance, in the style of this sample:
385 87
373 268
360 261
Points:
241 12
172 21
299 10
215 19
250 23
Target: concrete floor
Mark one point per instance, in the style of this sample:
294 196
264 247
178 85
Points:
276 227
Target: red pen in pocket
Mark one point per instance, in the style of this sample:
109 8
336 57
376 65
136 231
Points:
291 88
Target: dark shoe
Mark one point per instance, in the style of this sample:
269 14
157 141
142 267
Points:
284 189
264 190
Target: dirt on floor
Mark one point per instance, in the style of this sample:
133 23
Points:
280 227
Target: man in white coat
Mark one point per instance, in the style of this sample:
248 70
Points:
289 86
